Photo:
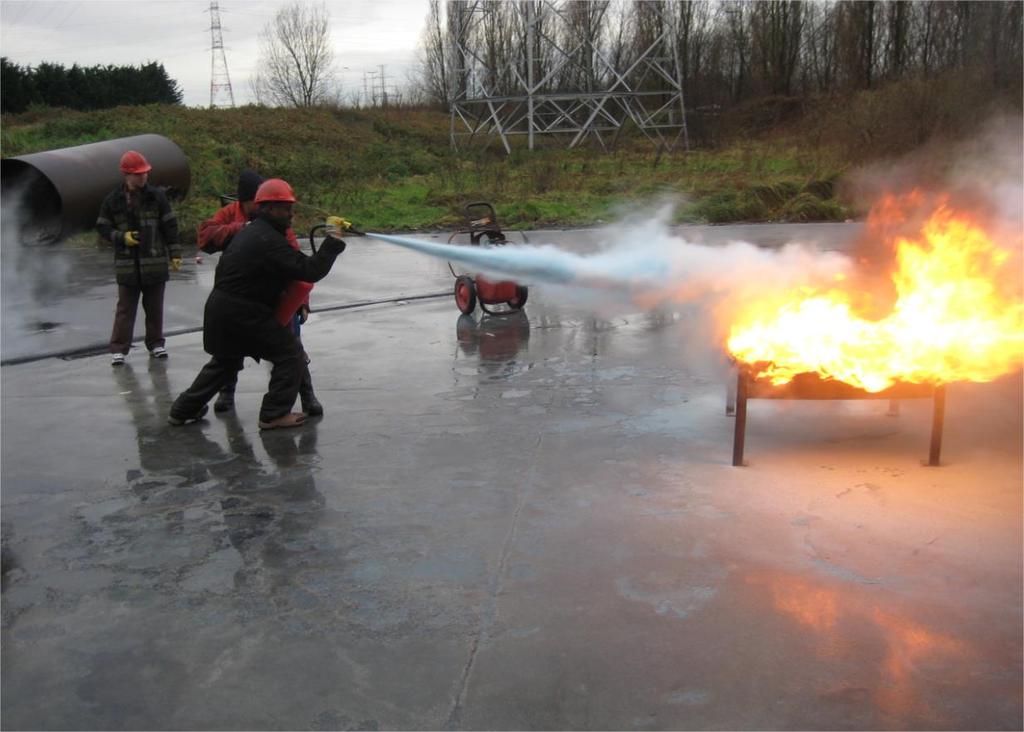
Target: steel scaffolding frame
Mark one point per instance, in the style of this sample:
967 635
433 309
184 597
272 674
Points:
478 111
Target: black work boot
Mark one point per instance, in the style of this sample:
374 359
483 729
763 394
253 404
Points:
225 401
310 404
179 421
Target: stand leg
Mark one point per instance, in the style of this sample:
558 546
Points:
938 415
739 433
730 397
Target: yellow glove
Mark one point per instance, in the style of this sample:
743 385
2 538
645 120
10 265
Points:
131 238
339 223
175 263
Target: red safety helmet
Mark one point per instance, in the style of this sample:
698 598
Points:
274 189
134 162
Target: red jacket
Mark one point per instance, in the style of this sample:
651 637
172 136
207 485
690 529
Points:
216 232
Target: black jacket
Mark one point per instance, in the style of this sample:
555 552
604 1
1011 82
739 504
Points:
250 278
147 212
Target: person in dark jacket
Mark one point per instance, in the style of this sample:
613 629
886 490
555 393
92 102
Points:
138 221
239 319
215 234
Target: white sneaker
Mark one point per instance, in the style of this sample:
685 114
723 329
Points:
117 359
158 352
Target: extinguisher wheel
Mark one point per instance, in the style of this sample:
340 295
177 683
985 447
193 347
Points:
465 294
519 300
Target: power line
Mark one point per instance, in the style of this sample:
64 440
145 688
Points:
24 8
67 17
49 12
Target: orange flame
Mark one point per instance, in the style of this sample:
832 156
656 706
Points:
958 313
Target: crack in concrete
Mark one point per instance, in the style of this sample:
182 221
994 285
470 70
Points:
824 562
490 610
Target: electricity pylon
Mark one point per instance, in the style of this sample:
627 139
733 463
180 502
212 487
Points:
221 93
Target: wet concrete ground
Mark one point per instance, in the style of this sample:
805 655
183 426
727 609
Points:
61 298
521 523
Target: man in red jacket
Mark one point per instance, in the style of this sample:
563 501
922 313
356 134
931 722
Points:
215 234
240 319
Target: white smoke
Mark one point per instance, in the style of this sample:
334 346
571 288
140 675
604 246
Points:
644 258
31 272
642 263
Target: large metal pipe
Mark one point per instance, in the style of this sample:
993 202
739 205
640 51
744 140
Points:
60 191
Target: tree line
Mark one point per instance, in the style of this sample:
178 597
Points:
84 87
729 51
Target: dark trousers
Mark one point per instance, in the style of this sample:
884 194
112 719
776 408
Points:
305 386
124 316
230 381
217 372
285 377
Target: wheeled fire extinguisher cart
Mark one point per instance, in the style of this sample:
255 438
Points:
496 298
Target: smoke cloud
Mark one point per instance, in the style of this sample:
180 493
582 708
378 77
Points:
643 263
32 271
982 175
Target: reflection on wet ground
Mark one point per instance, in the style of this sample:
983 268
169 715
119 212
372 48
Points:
890 655
185 486
495 340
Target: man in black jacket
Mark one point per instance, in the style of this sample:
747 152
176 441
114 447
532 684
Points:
239 319
138 221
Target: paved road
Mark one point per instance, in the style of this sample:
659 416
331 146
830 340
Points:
520 523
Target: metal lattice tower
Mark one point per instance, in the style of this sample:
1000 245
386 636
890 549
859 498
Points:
221 93
646 91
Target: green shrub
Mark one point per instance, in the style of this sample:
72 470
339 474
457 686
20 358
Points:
727 206
806 206
772 195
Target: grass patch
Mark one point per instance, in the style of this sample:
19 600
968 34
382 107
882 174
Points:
394 170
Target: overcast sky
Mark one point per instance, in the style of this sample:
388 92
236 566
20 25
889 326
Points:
176 33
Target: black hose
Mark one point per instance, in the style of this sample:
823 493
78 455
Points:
99 348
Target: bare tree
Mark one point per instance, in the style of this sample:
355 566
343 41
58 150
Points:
693 23
897 29
729 51
819 61
295 59
436 69
581 32
776 30
503 43
620 37
737 26
858 26
1006 44
649 19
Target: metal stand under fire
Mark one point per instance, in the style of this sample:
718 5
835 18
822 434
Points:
810 386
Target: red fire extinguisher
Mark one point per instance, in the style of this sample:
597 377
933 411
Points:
293 296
